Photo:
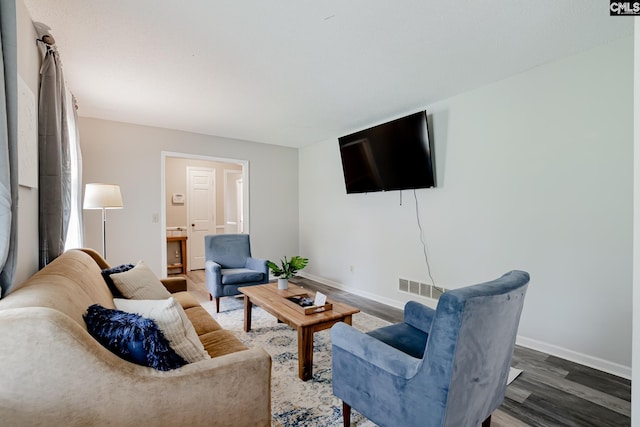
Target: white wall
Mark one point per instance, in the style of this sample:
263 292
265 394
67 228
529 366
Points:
534 173
130 155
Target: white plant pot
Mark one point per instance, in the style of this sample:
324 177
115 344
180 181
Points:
283 284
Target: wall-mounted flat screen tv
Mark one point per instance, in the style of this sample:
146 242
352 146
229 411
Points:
396 155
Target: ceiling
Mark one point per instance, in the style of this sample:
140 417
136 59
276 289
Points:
295 72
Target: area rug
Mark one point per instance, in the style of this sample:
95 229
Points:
294 402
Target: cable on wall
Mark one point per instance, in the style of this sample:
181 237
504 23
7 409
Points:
424 245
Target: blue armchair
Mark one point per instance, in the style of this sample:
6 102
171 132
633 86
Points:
229 265
443 367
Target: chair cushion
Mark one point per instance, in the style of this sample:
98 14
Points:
173 321
232 276
403 337
132 337
228 250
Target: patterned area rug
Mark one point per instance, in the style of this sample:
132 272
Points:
295 402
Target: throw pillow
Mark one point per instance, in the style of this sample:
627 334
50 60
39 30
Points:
132 337
140 283
106 275
174 323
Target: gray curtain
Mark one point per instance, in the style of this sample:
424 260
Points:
54 159
8 145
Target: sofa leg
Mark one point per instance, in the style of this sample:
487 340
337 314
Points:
346 414
217 304
487 422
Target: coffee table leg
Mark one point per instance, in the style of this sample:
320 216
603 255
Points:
305 353
247 313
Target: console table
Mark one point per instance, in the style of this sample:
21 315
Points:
183 253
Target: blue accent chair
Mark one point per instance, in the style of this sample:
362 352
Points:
443 367
229 265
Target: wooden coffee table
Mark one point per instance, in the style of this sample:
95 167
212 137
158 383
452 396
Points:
273 300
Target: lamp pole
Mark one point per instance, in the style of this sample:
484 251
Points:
104 234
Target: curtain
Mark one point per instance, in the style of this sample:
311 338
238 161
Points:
8 145
54 159
74 237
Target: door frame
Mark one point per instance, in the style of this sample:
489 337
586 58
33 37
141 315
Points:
163 196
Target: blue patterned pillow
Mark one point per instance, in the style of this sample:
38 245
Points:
106 274
132 337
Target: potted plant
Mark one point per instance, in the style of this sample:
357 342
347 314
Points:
287 269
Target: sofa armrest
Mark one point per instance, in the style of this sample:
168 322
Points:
46 348
419 316
259 264
212 267
213 278
364 348
175 284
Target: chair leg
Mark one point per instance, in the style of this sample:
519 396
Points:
487 422
346 414
217 304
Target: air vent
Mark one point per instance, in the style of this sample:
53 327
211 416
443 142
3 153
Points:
424 290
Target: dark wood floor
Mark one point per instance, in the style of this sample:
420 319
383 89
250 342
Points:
549 392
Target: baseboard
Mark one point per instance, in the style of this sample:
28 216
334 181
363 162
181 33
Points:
358 292
561 352
573 356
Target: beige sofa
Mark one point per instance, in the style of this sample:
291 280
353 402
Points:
53 372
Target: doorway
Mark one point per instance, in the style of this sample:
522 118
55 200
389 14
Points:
200 195
201 212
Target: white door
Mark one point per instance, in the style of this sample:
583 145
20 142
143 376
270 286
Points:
201 210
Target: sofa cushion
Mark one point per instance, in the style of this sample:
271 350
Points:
173 322
186 299
140 283
132 337
107 272
231 276
201 320
221 342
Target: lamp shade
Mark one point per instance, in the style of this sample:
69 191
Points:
102 196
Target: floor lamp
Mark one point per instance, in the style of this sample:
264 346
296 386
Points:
102 196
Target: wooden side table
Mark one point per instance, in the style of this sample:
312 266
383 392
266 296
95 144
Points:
183 253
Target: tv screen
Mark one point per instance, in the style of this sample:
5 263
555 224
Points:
392 156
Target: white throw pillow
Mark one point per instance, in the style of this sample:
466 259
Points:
140 283
174 323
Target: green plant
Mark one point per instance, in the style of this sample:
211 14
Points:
288 268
